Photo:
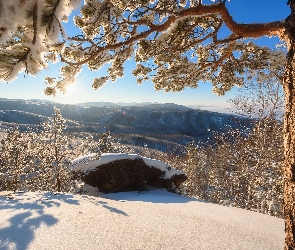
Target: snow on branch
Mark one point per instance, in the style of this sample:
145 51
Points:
177 43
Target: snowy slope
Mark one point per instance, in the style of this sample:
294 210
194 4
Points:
151 220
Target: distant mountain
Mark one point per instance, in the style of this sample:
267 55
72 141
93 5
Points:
131 104
155 125
98 104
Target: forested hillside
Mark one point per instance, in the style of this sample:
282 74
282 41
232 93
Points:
157 126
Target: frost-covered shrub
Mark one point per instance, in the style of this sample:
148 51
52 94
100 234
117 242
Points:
239 170
243 168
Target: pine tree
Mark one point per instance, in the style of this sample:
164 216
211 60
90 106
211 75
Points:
106 142
109 144
16 168
54 152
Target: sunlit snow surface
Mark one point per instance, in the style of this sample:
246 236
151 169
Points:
153 220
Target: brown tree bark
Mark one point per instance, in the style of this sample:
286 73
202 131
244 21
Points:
289 132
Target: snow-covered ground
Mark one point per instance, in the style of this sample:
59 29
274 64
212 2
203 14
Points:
151 220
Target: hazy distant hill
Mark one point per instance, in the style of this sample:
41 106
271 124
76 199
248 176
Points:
155 125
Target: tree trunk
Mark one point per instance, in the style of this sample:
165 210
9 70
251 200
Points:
289 132
58 183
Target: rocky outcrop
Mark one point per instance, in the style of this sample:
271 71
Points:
131 175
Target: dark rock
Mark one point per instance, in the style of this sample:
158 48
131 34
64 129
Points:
170 184
121 175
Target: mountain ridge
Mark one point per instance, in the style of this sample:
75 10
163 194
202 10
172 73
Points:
163 122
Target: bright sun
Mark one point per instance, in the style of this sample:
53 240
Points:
71 89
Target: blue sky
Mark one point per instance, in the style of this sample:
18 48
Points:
126 89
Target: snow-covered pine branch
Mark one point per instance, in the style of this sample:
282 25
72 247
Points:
176 44
31 34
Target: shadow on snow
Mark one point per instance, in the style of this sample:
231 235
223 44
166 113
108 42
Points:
153 196
18 231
